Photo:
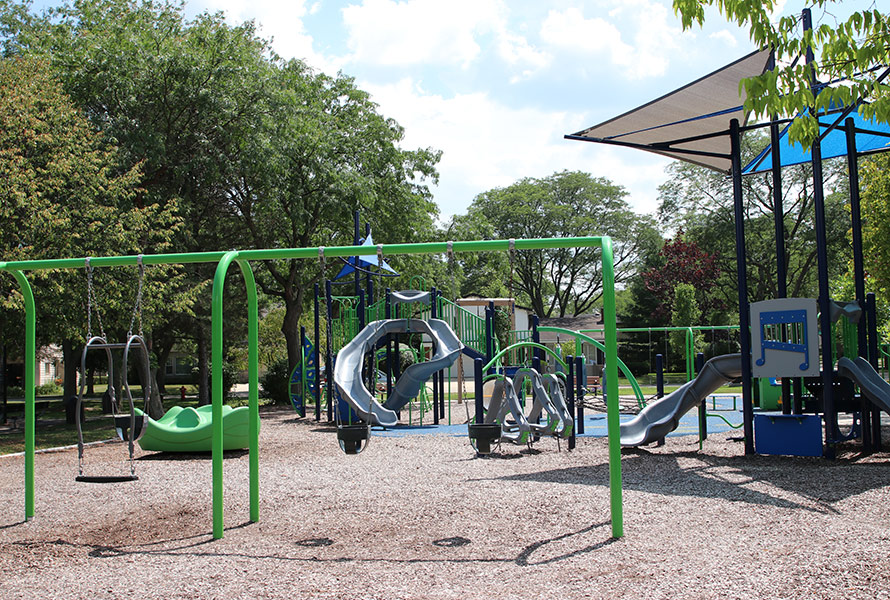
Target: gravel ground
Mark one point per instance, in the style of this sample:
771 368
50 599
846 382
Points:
419 517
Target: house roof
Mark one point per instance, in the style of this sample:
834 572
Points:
588 321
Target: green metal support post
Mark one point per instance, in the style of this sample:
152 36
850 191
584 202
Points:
217 388
30 390
611 325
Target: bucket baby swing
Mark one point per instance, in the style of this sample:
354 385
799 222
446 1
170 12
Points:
129 425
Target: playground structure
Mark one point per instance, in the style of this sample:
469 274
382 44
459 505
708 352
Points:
242 258
364 337
702 123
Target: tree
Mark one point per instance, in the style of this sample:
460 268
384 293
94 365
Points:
685 312
254 150
63 197
700 201
566 280
685 263
876 232
321 152
852 55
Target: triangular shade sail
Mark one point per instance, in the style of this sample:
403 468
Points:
871 136
364 263
687 124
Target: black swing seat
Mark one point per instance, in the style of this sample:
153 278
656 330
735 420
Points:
352 438
105 478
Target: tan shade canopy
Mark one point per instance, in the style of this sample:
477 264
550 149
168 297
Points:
683 123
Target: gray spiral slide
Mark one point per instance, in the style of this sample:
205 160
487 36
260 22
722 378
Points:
870 382
663 416
348 370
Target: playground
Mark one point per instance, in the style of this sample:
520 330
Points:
763 474
418 516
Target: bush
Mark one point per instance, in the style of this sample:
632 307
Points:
48 389
274 384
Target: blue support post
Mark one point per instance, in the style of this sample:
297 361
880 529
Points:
742 279
329 362
659 376
389 354
580 382
304 391
435 377
317 359
479 386
570 392
703 407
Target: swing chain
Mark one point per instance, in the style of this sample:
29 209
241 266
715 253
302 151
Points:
92 300
137 308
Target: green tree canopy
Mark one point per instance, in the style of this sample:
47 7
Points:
852 55
876 233
568 280
700 201
63 195
253 150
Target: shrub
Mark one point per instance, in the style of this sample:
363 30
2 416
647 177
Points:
274 384
48 389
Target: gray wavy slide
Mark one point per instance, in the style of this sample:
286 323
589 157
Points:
348 370
663 416
870 383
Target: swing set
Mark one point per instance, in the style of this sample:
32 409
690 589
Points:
243 258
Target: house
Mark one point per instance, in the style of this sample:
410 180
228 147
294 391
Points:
48 369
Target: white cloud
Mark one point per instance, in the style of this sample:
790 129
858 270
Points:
518 53
642 51
392 33
724 36
396 33
487 144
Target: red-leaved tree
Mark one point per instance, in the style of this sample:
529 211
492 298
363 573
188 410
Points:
684 262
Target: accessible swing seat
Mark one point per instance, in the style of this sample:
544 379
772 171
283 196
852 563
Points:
129 427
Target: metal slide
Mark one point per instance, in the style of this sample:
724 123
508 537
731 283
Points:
663 416
348 369
870 382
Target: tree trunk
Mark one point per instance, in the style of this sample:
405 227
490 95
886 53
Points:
162 353
203 368
71 360
291 330
91 380
155 407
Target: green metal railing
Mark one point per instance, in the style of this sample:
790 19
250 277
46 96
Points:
469 326
638 393
689 340
242 258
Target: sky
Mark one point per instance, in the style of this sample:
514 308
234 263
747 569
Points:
495 85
